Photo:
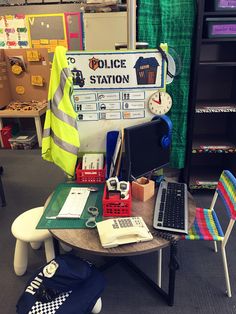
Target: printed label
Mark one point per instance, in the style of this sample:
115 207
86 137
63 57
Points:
110 116
109 106
133 105
133 95
86 107
84 97
108 96
224 29
87 116
227 4
133 114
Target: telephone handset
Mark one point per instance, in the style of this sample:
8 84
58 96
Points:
114 232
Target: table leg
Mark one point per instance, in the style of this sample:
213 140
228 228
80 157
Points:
1 126
38 126
159 269
173 266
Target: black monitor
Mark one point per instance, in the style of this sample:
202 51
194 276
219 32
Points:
145 148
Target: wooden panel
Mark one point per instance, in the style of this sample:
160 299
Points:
41 67
5 94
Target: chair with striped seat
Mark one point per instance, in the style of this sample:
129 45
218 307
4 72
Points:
207 226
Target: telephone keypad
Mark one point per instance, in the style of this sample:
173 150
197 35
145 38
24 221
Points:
115 224
125 222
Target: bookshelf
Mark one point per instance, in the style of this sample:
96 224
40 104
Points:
211 144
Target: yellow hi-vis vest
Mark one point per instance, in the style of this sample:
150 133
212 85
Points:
60 142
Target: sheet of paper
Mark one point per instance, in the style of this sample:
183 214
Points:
74 203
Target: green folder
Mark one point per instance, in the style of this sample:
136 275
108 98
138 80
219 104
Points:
57 201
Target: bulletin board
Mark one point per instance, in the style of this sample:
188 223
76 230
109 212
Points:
111 91
47 31
13 31
12 82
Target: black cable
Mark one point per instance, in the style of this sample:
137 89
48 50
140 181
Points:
173 242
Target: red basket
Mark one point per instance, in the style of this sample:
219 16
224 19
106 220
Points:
90 176
116 206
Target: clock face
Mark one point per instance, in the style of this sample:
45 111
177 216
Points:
159 103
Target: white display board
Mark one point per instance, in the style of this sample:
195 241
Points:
111 91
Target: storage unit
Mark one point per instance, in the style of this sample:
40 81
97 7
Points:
24 140
103 30
211 145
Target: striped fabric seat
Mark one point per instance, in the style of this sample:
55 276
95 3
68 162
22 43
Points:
206 226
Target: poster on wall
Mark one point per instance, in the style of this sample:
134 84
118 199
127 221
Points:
111 90
47 31
13 31
117 70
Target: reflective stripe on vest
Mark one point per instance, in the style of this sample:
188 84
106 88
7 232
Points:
53 105
62 144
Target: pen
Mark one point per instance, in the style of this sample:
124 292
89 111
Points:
51 217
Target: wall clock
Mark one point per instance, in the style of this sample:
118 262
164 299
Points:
159 103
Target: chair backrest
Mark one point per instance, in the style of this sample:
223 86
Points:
226 189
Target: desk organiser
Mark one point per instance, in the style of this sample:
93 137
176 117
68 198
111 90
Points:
143 189
115 206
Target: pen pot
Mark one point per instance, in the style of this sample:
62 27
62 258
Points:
143 189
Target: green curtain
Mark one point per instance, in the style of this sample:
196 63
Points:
171 22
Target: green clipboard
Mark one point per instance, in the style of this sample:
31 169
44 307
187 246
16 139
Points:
55 204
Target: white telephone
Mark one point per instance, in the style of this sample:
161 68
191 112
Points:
114 232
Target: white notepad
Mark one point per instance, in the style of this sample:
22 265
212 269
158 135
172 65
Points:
74 204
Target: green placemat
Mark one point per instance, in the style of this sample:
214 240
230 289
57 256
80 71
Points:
57 201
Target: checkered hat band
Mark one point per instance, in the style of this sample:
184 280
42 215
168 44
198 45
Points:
49 307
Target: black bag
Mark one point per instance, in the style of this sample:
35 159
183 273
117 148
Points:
66 285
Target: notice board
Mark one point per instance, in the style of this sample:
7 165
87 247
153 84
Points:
111 91
47 31
13 31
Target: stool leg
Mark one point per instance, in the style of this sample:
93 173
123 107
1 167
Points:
49 249
20 257
65 247
97 307
35 245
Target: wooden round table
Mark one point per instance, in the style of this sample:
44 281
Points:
87 240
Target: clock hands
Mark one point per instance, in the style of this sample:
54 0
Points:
157 101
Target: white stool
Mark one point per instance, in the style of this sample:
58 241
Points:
97 307
24 230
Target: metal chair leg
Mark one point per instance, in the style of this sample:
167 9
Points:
227 281
2 195
215 246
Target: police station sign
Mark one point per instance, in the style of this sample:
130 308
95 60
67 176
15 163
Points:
141 69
